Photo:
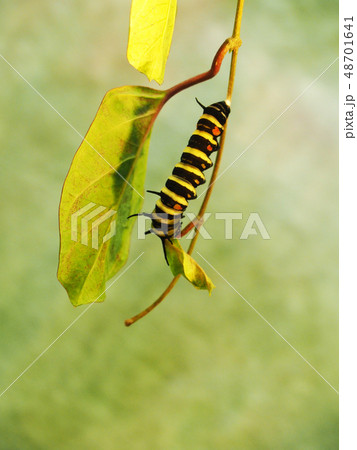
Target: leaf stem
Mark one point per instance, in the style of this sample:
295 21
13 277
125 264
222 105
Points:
233 44
215 67
236 38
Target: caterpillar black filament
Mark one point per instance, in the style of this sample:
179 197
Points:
188 173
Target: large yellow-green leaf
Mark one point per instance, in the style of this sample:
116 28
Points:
181 263
105 185
151 27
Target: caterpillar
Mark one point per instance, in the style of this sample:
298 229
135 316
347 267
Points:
187 175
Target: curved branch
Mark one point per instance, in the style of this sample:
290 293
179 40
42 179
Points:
143 313
215 67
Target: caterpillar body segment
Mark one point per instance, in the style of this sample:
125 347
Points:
189 173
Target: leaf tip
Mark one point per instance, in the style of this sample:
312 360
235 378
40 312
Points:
210 288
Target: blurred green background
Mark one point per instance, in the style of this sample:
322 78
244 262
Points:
200 372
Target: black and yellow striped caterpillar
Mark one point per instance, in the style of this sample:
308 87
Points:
187 174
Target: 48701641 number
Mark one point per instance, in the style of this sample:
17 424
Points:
348 49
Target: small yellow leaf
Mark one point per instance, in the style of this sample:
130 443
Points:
151 27
181 263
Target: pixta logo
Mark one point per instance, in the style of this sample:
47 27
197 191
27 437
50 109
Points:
253 226
88 227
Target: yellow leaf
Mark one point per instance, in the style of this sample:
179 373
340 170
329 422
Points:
151 27
181 263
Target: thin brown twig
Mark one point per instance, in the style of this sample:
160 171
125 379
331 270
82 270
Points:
146 311
215 67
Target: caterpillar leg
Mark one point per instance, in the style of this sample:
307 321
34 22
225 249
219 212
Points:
140 214
164 249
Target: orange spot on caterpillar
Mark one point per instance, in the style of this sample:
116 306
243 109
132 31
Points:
216 131
209 147
178 207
